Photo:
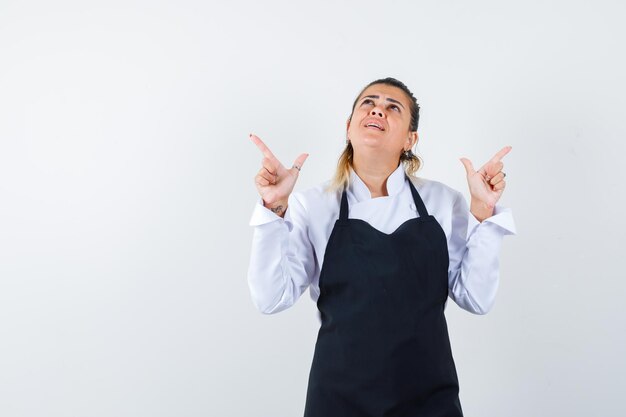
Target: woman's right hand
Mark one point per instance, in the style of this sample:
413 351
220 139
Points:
273 181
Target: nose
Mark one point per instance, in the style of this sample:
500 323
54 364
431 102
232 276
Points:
376 111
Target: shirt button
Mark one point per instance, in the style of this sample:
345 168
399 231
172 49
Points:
413 207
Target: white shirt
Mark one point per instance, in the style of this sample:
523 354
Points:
287 253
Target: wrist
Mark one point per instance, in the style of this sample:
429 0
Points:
481 210
278 207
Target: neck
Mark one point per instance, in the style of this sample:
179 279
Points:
374 174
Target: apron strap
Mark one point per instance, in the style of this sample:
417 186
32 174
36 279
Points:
421 208
343 211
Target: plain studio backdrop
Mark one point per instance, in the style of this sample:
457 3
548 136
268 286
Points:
126 187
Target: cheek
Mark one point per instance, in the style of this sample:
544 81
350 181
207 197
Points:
402 124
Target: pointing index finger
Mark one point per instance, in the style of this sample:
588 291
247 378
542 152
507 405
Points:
497 157
262 147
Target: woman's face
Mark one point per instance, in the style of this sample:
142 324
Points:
380 121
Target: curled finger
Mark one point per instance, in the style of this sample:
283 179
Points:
269 166
499 186
261 181
272 176
497 178
268 177
264 173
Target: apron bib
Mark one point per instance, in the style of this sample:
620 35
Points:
383 348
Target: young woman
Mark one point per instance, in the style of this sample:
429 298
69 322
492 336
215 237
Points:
380 251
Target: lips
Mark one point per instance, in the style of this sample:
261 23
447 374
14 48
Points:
374 124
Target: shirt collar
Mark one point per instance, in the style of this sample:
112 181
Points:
395 182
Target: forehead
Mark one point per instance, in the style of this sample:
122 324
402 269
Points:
386 91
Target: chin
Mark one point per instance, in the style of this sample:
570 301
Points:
372 141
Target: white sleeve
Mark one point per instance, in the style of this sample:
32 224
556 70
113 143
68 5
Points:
474 249
282 259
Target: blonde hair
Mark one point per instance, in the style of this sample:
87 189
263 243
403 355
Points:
412 164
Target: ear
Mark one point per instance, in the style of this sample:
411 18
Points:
413 138
347 124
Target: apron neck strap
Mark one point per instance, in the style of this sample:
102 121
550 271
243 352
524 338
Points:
343 212
421 208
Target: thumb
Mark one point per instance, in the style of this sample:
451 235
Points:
469 168
297 165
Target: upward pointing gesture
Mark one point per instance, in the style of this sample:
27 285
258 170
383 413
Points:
273 181
487 184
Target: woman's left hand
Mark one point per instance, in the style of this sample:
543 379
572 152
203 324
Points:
486 185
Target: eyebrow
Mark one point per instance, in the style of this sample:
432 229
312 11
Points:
388 99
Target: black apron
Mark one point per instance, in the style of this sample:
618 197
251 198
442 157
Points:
383 348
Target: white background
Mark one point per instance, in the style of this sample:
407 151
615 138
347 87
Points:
126 187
